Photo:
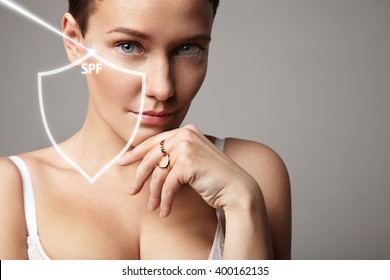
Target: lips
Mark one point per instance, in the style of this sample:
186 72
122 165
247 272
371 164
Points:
153 117
156 114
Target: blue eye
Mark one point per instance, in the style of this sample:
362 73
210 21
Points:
129 48
189 49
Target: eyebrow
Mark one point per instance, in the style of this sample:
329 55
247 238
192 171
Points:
135 33
129 31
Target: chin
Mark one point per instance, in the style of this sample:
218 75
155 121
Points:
145 133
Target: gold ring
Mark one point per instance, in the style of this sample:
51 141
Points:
162 147
164 162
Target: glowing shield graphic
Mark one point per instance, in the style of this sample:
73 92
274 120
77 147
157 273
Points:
41 75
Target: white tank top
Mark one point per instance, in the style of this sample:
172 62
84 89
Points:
35 250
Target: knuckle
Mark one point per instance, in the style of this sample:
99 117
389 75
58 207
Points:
154 195
185 146
148 157
167 197
190 127
186 160
155 176
188 132
187 153
149 141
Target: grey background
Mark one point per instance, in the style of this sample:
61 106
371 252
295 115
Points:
310 78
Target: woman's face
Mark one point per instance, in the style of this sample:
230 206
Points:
167 40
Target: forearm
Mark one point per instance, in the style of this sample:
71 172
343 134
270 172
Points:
247 232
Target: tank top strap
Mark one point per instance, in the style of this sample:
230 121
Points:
28 196
220 143
219 239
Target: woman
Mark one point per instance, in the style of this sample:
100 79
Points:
216 198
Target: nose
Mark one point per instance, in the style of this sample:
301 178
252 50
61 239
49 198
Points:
159 79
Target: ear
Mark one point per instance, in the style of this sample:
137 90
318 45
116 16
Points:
71 30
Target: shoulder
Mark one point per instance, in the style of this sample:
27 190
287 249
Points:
264 165
9 172
271 173
12 221
257 159
41 161
11 186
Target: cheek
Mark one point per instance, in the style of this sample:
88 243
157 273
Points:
188 83
113 86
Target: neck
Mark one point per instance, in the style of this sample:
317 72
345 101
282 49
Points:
94 145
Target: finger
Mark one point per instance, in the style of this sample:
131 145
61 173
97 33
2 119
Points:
158 178
145 170
169 190
139 152
136 154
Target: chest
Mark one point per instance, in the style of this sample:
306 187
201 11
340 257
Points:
103 222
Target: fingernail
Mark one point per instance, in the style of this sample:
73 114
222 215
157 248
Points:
121 160
163 213
132 190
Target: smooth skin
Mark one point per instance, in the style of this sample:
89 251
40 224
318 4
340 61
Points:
137 210
218 180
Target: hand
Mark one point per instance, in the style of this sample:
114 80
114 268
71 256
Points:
194 161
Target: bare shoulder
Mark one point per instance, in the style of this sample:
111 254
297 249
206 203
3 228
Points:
12 222
40 161
11 188
10 179
269 170
259 160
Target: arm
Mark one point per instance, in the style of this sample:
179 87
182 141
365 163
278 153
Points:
247 231
271 174
13 235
